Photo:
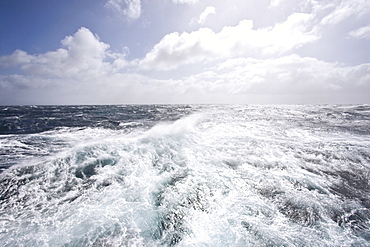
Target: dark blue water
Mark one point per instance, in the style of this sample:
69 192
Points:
185 175
35 119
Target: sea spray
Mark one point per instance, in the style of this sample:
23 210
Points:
186 176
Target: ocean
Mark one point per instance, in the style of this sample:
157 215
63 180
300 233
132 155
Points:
185 175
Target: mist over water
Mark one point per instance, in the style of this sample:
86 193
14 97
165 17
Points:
185 175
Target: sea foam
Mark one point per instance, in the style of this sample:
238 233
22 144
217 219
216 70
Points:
210 176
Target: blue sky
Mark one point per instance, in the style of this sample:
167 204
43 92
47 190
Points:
184 51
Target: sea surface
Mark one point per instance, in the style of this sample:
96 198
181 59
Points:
185 175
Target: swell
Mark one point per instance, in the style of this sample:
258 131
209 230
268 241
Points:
228 176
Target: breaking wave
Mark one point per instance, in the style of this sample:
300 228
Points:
199 176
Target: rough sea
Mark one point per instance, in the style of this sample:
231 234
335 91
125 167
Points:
185 175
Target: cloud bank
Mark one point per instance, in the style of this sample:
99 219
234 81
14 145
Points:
243 40
84 71
239 63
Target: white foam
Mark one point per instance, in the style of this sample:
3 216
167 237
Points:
226 178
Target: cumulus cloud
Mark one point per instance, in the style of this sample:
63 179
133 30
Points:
129 8
235 80
239 64
82 71
81 56
243 40
18 57
208 11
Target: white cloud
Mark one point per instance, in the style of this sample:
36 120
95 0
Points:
326 12
359 75
18 57
275 3
82 71
361 33
288 79
129 8
235 65
205 45
208 11
296 31
14 81
346 9
82 56
288 74
175 49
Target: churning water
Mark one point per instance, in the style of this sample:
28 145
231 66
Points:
185 175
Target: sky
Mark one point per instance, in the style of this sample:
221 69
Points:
184 52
